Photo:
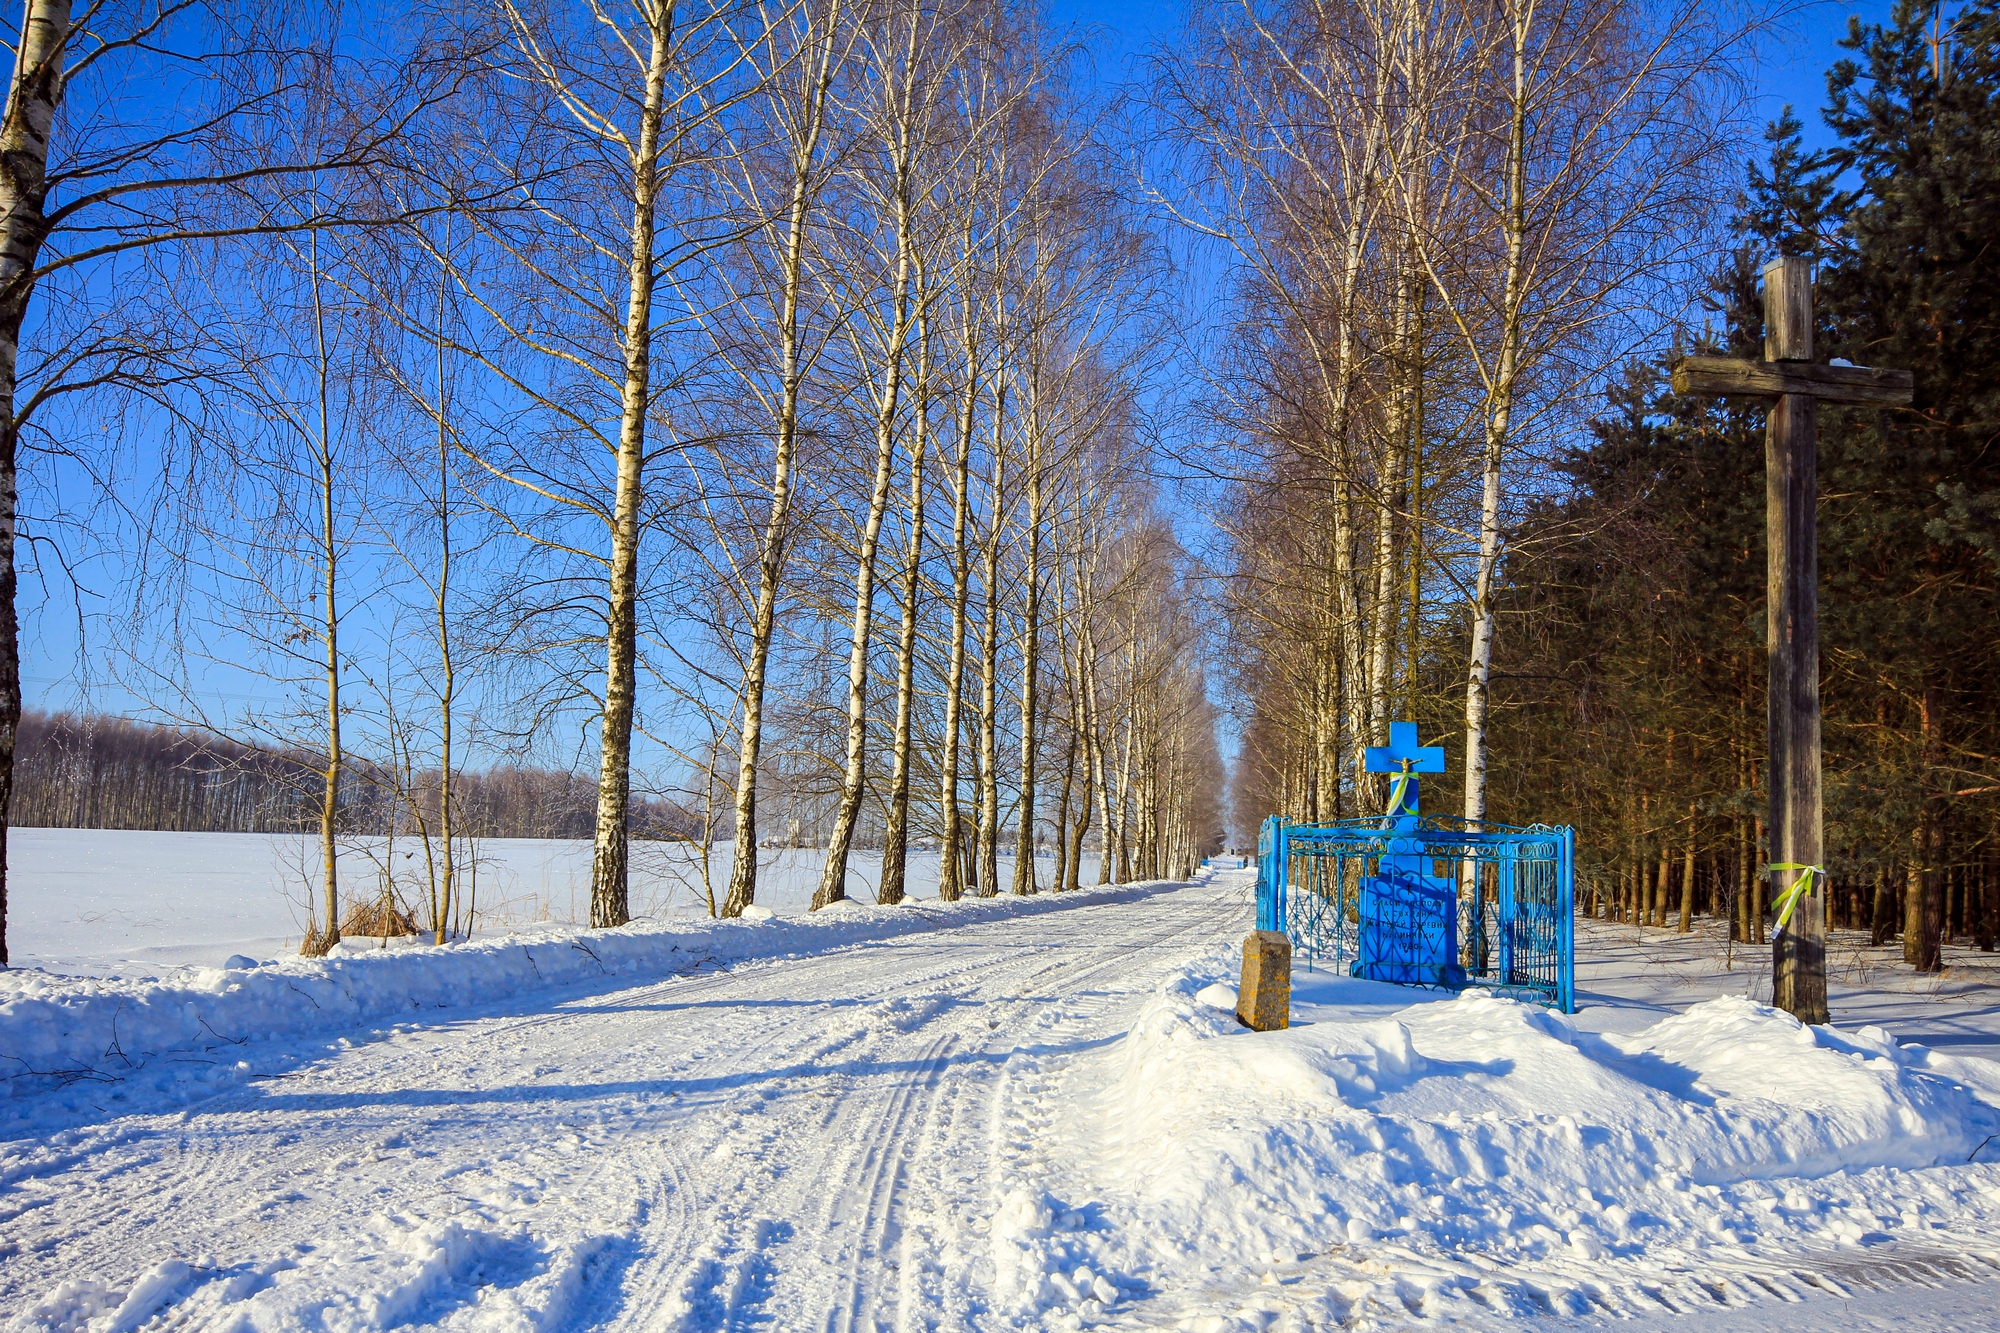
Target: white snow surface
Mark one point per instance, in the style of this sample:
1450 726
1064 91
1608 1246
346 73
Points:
1005 1113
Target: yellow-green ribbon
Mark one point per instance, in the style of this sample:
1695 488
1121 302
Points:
1788 901
1396 790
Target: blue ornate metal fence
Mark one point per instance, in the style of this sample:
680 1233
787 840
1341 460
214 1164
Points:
1427 900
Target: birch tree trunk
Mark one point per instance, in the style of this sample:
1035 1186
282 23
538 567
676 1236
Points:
1404 369
32 99
971 857
833 878
1123 823
610 862
1347 657
1069 874
989 661
1340 391
329 542
1024 853
896 839
951 877
441 915
777 528
1094 737
1499 420
1068 847
1322 777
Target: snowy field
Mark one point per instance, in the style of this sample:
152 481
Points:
101 902
1000 1114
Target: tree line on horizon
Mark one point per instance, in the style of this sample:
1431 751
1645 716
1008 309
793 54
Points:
92 771
745 395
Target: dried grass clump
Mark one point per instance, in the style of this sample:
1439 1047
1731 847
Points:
378 917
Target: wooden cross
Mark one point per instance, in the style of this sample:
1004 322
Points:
1791 497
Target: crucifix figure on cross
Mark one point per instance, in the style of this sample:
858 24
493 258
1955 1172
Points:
1788 375
1405 758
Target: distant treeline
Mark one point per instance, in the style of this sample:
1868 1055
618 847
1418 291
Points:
92 771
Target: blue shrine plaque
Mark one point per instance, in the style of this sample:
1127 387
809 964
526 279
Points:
1409 916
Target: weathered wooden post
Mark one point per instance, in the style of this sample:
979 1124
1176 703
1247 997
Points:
1791 500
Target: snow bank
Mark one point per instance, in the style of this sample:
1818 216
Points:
71 1041
1455 1134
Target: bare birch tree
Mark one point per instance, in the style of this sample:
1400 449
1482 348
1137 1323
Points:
899 49
628 105
1579 165
805 52
124 184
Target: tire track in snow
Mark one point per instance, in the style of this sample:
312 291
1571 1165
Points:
141 1170
876 1154
885 1168
866 1210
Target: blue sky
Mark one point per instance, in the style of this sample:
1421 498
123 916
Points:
1789 66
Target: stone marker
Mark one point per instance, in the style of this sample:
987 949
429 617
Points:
1264 999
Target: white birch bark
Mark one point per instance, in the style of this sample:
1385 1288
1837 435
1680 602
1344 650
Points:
33 95
987 717
329 552
441 916
951 881
1024 852
1122 825
1094 732
896 838
1382 616
1499 418
610 854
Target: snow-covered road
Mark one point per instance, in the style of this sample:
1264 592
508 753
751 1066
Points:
802 1143
949 1129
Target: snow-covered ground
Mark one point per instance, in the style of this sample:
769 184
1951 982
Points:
104 902
1636 976
1488 1162
999 1114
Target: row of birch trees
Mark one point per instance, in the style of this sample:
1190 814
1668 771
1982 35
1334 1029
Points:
738 401
1441 222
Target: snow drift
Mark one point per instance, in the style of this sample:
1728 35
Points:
1471 1131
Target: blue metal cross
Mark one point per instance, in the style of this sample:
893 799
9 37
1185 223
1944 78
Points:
1408 915
1403 756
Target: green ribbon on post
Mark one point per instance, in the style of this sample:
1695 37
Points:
1807 882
